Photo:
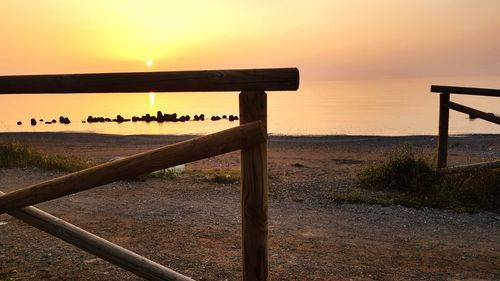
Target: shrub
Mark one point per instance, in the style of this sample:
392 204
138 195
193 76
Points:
404 172
477 189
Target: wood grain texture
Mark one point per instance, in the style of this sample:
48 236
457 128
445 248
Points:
273 79
243 136
474 112
254 192
96 245
465 91
444 116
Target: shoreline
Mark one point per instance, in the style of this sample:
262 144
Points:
317 150
271 135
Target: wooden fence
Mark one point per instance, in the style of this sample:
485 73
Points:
250 137
445 105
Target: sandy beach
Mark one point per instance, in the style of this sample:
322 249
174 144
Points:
193 225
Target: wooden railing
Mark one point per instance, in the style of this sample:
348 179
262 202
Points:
250 137
445 105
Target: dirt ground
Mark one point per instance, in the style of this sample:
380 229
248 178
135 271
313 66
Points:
193 225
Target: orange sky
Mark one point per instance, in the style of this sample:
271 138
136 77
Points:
326 39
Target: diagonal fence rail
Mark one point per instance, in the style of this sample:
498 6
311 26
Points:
240 137
444 108
96 245
250 137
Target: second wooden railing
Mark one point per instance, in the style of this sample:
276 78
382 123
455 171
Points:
444 108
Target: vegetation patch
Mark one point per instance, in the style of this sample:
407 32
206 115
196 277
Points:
168 174
16 154
417 183
363 196
6 277
220 176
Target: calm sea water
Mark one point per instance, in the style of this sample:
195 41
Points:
364 107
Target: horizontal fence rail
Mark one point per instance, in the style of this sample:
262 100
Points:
465 91
272 79
243 136
95 245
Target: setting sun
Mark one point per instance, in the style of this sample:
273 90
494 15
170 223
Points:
149 62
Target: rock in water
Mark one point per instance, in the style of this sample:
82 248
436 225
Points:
159 116
33 122
170 117
19 123
64 120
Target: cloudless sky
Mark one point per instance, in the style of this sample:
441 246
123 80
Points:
326 39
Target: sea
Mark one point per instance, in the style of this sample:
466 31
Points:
389 107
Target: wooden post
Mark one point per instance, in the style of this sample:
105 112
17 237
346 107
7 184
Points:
254 191
444 115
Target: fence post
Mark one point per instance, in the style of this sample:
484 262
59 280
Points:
444 114
254 191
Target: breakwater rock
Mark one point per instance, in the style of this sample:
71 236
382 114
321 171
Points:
160 117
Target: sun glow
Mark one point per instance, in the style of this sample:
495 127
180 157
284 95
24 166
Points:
149 63
355 43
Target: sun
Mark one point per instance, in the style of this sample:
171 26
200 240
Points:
149 63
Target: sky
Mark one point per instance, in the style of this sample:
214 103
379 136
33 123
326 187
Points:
325 39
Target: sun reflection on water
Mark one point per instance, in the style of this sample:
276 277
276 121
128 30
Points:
151 99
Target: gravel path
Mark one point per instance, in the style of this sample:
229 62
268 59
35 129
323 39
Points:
193 225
